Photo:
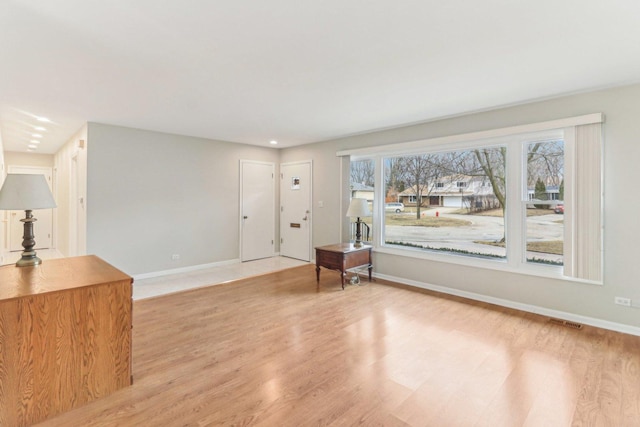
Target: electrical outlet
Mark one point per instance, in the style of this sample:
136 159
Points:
622 301
175 257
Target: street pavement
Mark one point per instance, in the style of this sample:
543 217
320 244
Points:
482 228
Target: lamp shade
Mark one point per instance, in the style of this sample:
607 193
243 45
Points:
358 208
25 192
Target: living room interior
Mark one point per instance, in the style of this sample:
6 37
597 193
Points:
149 112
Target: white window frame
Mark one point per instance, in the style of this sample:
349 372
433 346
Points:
515 139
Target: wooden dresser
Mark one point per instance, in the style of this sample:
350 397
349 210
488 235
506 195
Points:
65 336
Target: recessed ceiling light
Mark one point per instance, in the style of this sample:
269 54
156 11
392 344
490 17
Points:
33 147
36 135
40 128
43 119
35 141
273 142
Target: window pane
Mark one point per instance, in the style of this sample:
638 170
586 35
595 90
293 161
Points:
362 187
545 210
453 201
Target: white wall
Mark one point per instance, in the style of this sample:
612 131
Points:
151 195
621 107
70 219
3 214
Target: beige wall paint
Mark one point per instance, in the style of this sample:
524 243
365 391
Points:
14 158
151 195
621 207
3 214
67 221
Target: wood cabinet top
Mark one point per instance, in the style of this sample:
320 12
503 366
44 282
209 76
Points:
57 275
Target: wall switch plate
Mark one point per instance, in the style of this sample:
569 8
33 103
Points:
175 257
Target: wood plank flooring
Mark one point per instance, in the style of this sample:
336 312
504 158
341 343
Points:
277 350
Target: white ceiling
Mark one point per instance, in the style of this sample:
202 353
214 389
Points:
297 71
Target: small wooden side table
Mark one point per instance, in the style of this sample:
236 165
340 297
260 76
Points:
341 257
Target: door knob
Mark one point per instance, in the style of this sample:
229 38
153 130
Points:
245 217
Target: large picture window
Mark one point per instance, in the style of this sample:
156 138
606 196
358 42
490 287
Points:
458 212
526 199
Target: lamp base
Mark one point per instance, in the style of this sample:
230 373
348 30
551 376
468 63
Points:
28 259
358 242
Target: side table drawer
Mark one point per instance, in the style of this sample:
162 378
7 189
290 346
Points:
329 259
356 259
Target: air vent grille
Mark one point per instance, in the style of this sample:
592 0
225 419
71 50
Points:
566 323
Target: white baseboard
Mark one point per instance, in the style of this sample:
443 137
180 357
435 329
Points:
599 323
184 269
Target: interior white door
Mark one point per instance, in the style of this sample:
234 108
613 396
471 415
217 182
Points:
295 210
257 210
43 227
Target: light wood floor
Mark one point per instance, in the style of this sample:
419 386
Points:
276 350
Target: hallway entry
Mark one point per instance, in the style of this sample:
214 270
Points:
257 210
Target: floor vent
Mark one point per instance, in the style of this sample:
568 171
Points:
566 323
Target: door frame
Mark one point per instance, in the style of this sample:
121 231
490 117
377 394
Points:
241 203
282 184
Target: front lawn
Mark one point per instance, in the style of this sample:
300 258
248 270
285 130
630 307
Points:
545 247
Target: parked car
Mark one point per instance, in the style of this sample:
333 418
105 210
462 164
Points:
394 207
559 209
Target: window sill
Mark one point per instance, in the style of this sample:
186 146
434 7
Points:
546 271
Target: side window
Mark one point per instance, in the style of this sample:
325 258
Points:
544 210
362 186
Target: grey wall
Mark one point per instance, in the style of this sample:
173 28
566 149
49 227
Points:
621 107
151 195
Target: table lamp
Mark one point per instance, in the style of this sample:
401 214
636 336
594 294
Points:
26 192
358 208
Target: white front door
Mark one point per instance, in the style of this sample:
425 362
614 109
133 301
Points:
295 210
257 210
43 227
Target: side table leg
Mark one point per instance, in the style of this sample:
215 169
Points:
317 273
370 268
343 274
